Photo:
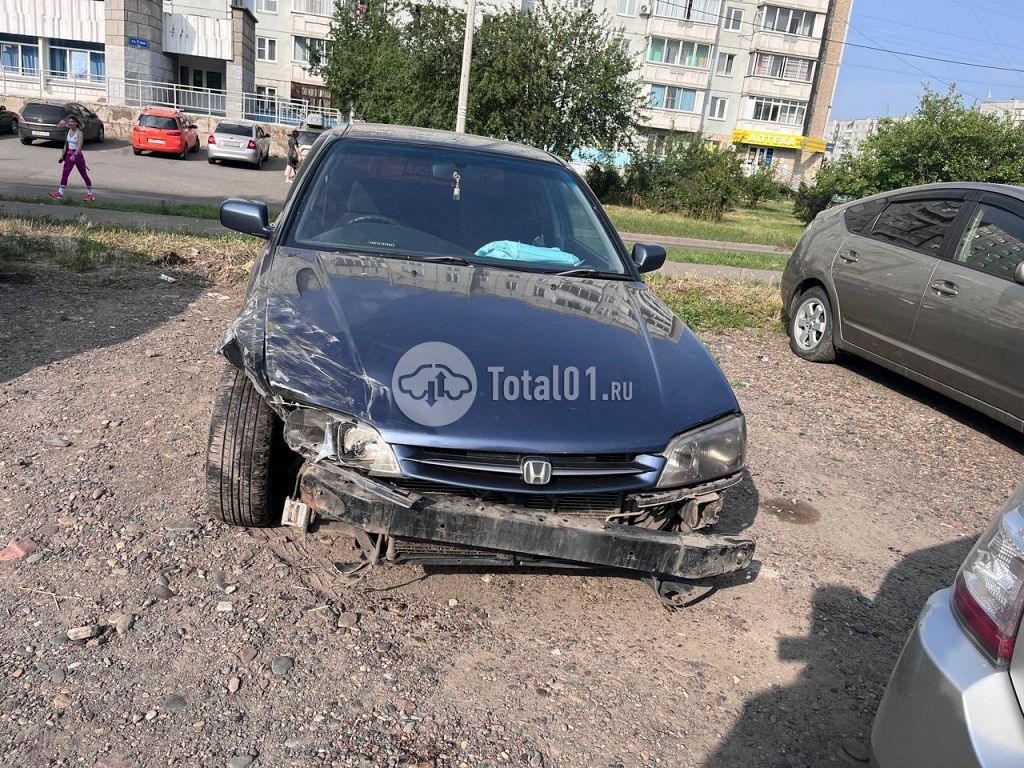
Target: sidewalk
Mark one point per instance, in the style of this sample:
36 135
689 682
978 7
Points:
210 227
702 245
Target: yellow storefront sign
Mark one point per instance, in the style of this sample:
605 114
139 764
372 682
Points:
781 140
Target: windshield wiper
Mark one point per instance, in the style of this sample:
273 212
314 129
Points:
585 272
441 260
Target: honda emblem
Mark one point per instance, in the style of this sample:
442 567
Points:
536 470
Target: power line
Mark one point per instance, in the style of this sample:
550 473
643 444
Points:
934 30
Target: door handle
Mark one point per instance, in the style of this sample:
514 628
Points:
945 288
849 257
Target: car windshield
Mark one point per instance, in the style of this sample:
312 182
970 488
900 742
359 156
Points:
233 129
423 202
162 123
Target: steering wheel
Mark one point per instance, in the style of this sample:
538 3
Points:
372 218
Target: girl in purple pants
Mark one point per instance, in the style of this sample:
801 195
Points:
73 158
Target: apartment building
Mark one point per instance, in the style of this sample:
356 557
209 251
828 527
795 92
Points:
756 75
286 35
846 136
1012 108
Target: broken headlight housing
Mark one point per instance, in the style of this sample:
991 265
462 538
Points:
706 453
325 436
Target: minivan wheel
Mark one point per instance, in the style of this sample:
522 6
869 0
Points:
249 469
810 326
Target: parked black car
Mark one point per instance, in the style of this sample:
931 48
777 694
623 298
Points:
447 348
45 120
8 120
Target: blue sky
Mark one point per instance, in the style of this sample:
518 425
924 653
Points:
872 83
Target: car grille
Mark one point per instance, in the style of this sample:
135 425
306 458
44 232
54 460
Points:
571 474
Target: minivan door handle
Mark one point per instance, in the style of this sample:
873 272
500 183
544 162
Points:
945 288
849 257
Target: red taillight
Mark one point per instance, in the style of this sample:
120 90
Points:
252 144
988 596
211 140
173 133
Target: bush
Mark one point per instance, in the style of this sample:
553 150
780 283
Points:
691 177
808 202
605 181
761 186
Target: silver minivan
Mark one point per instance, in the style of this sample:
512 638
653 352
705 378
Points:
926 281
240 141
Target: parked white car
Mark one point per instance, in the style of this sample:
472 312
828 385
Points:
239 141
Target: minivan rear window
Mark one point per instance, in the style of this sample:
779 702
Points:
161 123
859 217
44 113
233 129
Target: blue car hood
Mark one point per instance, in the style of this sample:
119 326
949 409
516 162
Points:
329 330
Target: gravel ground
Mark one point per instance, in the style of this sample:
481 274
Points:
203 645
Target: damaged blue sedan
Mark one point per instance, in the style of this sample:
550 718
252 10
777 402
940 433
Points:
447 350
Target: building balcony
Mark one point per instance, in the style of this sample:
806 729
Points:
663 26
670 120
301 74
761 126
818 6
314 7
668 74
776 88
793 45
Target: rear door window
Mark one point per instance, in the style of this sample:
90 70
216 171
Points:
921 225
859 217
993 241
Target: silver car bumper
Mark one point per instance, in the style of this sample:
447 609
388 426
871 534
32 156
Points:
946 706
241 154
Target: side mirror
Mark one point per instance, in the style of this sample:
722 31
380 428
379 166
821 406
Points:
648 257
246 216
193 127
1018 273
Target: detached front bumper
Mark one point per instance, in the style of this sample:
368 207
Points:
365 505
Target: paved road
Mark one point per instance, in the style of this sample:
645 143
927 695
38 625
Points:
120 175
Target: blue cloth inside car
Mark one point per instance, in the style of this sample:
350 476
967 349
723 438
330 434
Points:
514 251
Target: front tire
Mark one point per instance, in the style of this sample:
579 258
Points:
101 135
26 142
136 152
810 326
247 462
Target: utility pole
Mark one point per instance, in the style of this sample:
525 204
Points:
467 56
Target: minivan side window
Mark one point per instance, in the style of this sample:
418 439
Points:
859 217
922 225
993 241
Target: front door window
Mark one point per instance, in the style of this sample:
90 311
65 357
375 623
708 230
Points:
993 242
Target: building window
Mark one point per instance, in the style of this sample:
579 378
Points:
304 46
734 18
313 7
781 111
707 11
19 59
627 7
717 109
787 20
681 52
77 60
758 156
782 67
725 62
266 6
673 98
266 49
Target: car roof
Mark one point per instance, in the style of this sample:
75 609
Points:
161 111
442 139
955 186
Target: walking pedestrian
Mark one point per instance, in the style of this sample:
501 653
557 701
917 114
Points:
72 157
293 157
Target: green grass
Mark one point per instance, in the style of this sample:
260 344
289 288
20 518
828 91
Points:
720 305
729 258
771 224
112 251
162 208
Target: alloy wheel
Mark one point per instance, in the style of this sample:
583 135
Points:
810 323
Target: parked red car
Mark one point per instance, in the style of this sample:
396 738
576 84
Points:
166 131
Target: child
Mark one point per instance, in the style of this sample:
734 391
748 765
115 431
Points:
72 157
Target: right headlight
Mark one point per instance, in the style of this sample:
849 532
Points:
706 453
323 435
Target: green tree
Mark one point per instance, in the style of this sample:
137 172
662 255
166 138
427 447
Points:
942 141
557 78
